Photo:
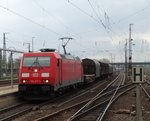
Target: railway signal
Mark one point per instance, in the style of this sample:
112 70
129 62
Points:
130 52
137 78
137 74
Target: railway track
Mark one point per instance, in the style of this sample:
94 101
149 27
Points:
71 109
145 98
7 82
147 78
96 108
8 99
9 103
58 115
145 91
68 100
14 111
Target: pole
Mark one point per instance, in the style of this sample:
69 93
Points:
111 60
28 46
130 52
126 59
4 54
0 64
33 44
111 57
138 104
11 56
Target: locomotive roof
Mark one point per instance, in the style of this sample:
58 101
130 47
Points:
48 50
68 56
56 54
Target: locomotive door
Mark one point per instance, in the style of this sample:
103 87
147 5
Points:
59 64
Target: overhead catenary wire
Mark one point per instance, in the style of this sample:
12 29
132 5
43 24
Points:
49 13
19 33
110 29
122 19
107 19
89 13
104 13
84 12
131 15
75 34
30 20
26 18
57 19
104 26
97 15
102 9
93 18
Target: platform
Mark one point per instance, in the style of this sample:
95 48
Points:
8 89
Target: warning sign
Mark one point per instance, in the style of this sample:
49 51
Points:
137 74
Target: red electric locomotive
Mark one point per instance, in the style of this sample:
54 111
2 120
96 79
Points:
47 72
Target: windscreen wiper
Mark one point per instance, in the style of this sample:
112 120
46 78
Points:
36 63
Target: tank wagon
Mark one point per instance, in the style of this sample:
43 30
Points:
47 72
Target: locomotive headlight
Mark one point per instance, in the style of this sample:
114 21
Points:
35 70
24 81
45 74
25 74
46 81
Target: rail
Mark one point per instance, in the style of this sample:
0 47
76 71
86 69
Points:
108 101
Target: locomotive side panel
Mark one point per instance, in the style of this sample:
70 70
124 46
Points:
71 72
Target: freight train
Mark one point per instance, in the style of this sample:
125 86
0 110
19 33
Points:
94 69
47 73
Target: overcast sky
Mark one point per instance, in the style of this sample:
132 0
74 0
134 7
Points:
99 28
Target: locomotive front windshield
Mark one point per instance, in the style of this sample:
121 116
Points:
36 61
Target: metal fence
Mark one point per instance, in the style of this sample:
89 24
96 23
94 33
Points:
9 64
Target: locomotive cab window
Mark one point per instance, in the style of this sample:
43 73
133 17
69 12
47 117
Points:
36 61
